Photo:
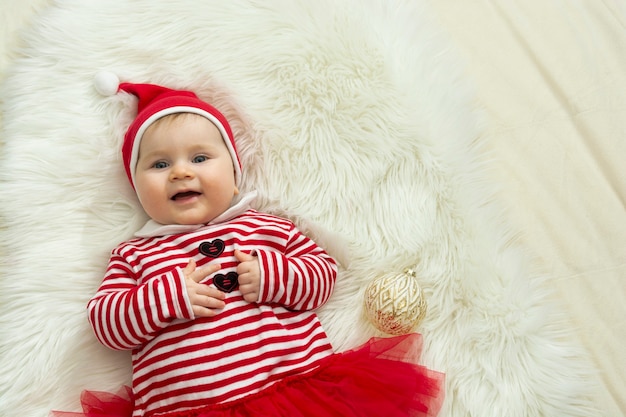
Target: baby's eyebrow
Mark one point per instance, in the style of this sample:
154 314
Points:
205 146
157 154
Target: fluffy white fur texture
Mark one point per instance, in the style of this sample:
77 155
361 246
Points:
352 117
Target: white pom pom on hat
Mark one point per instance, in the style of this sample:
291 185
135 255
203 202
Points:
106 83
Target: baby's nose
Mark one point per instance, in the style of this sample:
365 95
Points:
180 171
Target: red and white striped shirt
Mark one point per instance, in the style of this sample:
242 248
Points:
181 362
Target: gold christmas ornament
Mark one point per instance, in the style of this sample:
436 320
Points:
394 303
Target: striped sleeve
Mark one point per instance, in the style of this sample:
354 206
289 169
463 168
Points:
302 278
125 314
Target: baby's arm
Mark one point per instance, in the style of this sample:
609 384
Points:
125 314
302 278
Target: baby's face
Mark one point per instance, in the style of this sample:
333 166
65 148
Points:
184 172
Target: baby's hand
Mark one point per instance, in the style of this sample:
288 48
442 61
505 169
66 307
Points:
205 300
249 276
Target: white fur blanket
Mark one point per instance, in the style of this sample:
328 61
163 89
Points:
353 118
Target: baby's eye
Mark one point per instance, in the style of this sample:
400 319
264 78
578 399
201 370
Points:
160 165
199 159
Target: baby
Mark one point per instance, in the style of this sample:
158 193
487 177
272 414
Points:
216 300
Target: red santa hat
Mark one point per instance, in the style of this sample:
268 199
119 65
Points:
154 103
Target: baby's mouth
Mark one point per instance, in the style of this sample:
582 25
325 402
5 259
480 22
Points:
185 195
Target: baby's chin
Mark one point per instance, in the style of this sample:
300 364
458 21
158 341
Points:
195 220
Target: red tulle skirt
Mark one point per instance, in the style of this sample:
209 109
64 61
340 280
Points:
380 378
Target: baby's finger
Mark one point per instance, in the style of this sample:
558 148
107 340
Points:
243 257
249 292
208 302
201 273
208 291
244 278
191 266
199 311
206 306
